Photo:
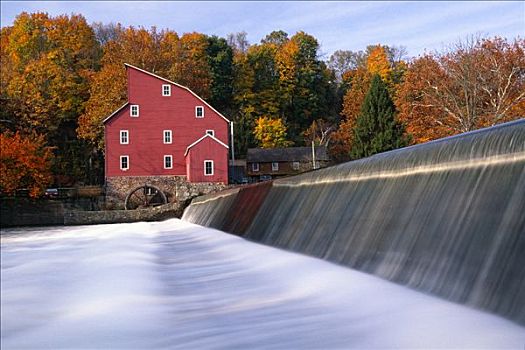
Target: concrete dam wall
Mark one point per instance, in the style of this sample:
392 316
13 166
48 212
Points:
446 217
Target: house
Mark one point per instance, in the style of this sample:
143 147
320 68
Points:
163 135
269 163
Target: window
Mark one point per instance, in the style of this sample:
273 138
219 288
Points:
167 136
124 162
295 165
275 166
208 167
134 110
124 137
166 90
255 166
199 112
210 132
168 162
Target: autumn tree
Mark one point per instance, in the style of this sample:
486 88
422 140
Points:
191 65
342 61
271 133
256 92
307 86
377 129
377 63
385 61
478 83
47 63
52 59
320 133
358 82
25 162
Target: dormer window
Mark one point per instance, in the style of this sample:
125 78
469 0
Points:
134 110
199 112
166 90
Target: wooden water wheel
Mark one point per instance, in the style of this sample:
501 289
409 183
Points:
145 196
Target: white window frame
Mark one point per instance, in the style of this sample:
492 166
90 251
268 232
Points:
131 108
124 134
170 157
275 166
255 167
196 114
167 132
212 167
127 162
296 165
164 91
210 132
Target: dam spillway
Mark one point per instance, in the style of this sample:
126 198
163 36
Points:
446 217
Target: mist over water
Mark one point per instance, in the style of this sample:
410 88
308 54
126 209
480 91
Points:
177 285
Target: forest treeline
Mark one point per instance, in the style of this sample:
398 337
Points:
61 77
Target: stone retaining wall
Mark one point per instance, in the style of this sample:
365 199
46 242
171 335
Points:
30 212
176 188
79 217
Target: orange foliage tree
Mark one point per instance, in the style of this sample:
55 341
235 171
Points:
190 64
25 162
480 82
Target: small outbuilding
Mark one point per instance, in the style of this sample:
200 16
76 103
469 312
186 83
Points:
269 163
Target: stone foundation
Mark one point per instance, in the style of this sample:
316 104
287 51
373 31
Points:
176 188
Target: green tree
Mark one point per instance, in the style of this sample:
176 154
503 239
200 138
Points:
220 62
377 129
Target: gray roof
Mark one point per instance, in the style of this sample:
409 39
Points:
290 154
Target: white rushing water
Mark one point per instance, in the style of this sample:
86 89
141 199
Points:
177 285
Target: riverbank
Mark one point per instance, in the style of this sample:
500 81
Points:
19 212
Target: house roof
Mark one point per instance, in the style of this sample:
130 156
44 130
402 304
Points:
112 114
290 154
181 86
202 138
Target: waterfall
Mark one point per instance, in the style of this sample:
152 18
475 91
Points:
446 217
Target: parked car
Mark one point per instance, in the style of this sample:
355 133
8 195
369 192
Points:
51 193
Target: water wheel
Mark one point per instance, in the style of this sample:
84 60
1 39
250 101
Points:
145 196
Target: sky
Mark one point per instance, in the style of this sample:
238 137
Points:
337 25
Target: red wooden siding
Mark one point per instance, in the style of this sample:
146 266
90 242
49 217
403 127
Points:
146 148
207 149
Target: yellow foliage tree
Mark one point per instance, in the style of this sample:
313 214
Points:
378 63
271 133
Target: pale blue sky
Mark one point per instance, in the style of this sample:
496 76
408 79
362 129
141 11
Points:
347 25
